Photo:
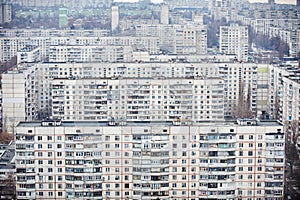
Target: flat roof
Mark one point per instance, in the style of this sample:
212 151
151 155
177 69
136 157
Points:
143 123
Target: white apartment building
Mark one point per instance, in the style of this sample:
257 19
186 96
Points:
29 54
178 39
65 3
94 160
9 46
284 98
80 53
281 77
53 33
138 99
247 88
5 11
239 80
18 96
234 40
164 13
114 18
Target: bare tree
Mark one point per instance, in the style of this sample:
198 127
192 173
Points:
5 137
276 107
243 108
292 133
7 187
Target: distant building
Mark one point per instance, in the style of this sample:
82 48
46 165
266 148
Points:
5 11
177 39
63 17
164 14
272 2
114 18
234 40
90 53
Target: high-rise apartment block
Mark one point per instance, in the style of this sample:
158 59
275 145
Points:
177 39
114 18
143 99
63 17
11 45
164 14
142 160
234 40
5 11
197 79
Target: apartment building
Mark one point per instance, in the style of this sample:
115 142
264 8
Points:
10 45
114 18
138 99
283 80
5 11
239 81
80 53
66 3
19 96
234 40
247 89
53 33
29 54
164 13
142 160
178 39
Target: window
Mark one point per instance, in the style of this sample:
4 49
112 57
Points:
259 168
39 138
250 153
259 145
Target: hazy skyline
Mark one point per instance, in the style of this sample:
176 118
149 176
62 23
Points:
252 1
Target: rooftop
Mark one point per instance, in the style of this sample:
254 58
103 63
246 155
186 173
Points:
144 123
